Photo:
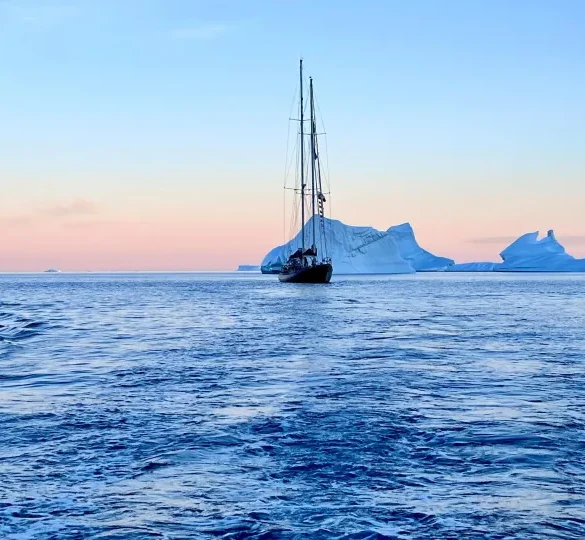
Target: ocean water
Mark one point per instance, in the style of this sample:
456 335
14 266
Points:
224 405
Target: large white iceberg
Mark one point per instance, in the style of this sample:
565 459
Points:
363 250
529 254
420 259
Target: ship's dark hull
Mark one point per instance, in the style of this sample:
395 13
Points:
320 273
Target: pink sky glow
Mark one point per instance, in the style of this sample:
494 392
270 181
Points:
80 235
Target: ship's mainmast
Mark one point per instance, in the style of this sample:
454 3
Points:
302 162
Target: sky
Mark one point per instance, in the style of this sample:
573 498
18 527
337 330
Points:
152 134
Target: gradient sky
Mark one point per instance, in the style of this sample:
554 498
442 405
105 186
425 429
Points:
151 134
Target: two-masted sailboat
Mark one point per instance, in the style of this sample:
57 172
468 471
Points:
308 264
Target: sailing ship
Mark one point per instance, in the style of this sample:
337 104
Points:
308 264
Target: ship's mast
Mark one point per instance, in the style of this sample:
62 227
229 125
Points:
313 130
302 162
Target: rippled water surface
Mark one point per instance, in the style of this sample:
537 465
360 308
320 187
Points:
194 405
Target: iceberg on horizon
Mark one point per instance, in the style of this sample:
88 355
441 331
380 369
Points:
473 267
363 250
248 268
529 254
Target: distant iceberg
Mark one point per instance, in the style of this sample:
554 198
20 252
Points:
363 250
248 268
529 254
420 259
473 267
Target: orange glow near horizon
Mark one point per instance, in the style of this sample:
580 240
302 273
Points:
205 238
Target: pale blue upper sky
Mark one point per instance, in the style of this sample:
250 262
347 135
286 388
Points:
436 111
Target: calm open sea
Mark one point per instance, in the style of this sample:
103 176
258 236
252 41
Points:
193 405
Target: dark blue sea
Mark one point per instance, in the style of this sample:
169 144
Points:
233 406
